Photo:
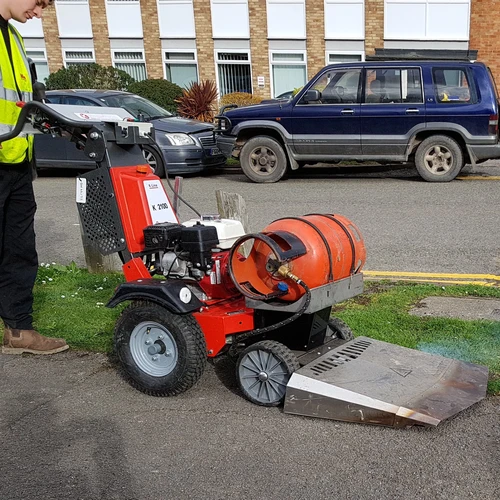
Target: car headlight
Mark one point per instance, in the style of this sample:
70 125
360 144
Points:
180 139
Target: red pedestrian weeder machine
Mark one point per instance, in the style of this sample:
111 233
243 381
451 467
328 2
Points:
205 289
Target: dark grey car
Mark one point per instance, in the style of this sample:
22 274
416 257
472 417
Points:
182 146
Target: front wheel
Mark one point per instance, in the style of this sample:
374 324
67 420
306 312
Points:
263 371
439 158
161 353
263 159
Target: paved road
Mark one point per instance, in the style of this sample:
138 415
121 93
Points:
408 225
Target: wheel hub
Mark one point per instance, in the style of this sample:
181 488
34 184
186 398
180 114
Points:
263 376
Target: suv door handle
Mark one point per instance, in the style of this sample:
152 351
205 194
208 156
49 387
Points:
412 111
347 112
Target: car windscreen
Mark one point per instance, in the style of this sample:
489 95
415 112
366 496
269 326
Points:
137 106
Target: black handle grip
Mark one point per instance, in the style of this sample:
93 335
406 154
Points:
31 106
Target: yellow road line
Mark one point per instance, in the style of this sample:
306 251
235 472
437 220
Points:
433 275
447 278
479 177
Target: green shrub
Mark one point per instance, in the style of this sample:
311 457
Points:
88 76
159 91
240 99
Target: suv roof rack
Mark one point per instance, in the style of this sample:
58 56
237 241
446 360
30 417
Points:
422 54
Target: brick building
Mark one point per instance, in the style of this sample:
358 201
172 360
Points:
262 46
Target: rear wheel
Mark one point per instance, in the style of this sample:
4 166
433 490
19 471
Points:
263 371
155 161
161 353
439 158
263 159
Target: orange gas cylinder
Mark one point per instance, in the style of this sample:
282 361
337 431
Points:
317 248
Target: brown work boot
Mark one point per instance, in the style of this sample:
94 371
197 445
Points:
19 341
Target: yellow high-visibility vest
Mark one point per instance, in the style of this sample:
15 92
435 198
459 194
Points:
20 148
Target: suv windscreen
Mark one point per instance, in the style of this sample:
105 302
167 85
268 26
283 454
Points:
338 86
137 106
393 85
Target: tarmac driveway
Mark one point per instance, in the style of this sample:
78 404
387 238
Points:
71 428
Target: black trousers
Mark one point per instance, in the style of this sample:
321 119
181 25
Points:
18 257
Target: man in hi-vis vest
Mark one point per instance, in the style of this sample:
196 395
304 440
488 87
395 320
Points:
18 257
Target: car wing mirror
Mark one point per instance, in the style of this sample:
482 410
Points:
38 87
311 95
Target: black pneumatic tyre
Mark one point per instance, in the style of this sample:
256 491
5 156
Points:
263 371
263 159
337 329
155 160
161 353
439 158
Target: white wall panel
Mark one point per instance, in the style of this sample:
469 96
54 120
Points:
230 19
427 19
176 18
344 19
73 19
456 25
30 29
124 19
286 19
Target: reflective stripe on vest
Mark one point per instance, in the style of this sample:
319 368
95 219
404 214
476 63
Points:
15 150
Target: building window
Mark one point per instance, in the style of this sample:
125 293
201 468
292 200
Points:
181 68
344 19
230 19
124 18
289 72
39 57
286 19
76 57
176 19
343 57
423 19
132 62
234 72
73 18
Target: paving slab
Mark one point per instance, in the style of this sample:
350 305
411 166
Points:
467 308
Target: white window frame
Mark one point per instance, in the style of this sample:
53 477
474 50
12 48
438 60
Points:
426 3
40 59
75 2
300 36
142 60
279 63
67 60
328 53
187 62
232 51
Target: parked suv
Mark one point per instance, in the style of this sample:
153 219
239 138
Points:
437 114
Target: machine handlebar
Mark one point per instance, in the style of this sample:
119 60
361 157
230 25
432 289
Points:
33 106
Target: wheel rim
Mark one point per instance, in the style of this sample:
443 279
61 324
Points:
151 159
263 160
264 376
438 160
153 349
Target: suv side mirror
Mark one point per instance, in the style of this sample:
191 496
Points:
311 95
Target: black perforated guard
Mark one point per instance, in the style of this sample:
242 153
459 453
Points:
297 248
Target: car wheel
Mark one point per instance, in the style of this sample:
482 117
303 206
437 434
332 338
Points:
262 159
154 160
439 158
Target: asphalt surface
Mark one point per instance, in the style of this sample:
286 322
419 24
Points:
70 427
407 224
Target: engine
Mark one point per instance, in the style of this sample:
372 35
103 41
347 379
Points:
192 249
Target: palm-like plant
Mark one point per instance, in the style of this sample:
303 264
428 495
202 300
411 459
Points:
198 101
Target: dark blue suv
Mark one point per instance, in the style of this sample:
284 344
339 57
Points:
438 115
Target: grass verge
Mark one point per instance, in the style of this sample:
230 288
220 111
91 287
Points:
70 302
